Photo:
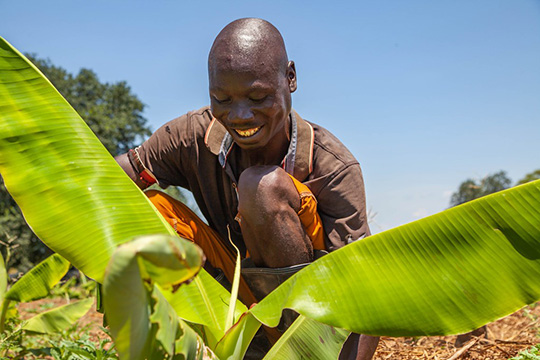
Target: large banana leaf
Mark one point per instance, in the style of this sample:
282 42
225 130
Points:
56 170
444 274
58 319
71 191
35 284
308 339
38 282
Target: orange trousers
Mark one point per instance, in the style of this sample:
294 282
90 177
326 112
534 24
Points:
190 227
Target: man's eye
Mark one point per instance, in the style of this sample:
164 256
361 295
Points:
221 101
257 99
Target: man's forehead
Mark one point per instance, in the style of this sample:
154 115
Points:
245 65
245 58
258 66
255 78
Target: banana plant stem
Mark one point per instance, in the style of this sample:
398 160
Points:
5 306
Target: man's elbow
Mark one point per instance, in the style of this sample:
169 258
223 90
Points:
125 164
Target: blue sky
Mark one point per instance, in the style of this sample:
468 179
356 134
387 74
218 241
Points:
424 93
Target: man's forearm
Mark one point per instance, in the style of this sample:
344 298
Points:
367 347
359 347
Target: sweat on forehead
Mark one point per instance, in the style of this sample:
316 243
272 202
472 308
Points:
248 42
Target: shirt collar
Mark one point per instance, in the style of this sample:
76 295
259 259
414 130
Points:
299 159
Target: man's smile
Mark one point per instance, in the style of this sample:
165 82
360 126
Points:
248 132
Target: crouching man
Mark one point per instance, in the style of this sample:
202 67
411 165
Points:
285 189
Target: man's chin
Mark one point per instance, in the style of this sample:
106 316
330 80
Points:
250 146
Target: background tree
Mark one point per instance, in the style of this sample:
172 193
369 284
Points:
535 175
113 113
472 189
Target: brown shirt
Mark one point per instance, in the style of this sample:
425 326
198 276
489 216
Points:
195 152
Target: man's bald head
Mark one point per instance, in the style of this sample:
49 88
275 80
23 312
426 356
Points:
250 85
247 44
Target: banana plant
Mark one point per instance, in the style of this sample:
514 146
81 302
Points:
445 274
34 285
143 323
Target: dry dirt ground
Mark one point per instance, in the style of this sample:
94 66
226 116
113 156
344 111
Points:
506 337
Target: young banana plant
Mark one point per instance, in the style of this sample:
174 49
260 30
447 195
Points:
34 285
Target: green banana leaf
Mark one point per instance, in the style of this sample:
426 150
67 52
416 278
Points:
142 321
196 303
38 282
52 160
71 191
234 343
445 274
130 276
58 319
174 337
308 339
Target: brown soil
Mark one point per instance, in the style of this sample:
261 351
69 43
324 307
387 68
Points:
506 337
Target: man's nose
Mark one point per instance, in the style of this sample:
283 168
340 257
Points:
240 112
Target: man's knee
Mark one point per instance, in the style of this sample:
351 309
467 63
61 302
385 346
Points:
266 188
152 193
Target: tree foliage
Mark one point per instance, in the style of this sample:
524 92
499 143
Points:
113 113
472 189
535 175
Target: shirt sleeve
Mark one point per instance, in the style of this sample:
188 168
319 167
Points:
167 150
342 208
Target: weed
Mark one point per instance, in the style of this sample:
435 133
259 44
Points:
528 312
83 349
71 344
529 354
11 339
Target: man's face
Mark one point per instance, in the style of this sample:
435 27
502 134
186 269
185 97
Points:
252 102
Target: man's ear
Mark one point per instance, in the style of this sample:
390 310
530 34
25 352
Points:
291 76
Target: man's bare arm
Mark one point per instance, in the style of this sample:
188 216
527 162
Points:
359 347
367 347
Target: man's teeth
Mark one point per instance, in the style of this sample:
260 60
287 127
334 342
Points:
248 132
